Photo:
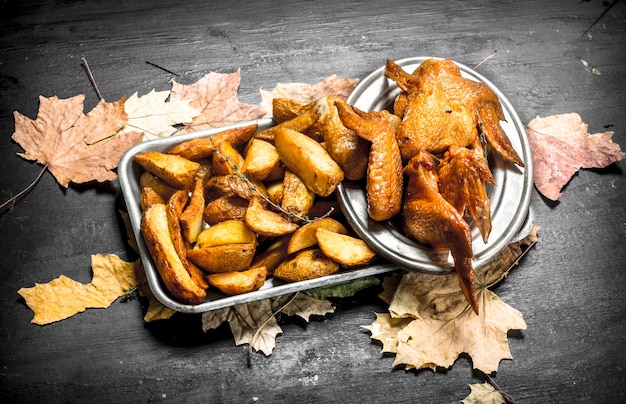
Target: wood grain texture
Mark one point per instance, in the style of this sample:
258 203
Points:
570 288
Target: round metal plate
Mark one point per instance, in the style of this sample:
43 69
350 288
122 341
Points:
509 197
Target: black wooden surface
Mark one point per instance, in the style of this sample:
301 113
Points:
570 287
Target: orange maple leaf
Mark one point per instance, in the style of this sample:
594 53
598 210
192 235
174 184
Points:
215 96
75 147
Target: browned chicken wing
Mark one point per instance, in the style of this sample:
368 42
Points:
384 168
429 219
444 109
462 177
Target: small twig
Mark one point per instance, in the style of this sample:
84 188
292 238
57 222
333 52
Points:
28 188
258 330
506 396
614 2
93 81
495 53
162 68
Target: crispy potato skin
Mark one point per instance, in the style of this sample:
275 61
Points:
305 236
202 148
175 171
156 234
307 264
223 258
239 282
346 250
309 161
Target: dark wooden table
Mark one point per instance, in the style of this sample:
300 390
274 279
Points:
570 287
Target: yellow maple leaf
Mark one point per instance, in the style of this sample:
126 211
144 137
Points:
64 297
430 324
155 115
483 394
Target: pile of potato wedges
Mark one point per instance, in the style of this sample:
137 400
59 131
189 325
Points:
229 210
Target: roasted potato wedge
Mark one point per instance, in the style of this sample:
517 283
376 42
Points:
191 219
148 180
309 161
223 258
226 232
225 208
273 255
227 160
228 185
201 148
156 234
275 192
175 171
305 237
265 222
284 109
175 206
238 282
261 160
307 264
345 250
297 198
300 123
149 197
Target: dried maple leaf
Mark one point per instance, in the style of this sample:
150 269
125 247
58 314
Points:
483 394
251 323
64 297
215 96
75 147
155 116
430 324
304 93
305 306
561 146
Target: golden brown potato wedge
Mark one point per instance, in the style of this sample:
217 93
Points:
273 255
261 160
300 123
226 232
238 282
149 197
225 208
228 185
201 148
191 221
174 208
307 264
265 222
297 198
309 161
305 237
223 258
284 109
148 180
345 250
227 160
156 234
275 192
175 171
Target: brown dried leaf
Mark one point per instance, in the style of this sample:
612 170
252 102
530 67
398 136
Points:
304 93
561 146
245 320
215 96
483 394
430 323
305 306
63 297
76 147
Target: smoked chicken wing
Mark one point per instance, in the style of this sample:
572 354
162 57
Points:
429 219
440 108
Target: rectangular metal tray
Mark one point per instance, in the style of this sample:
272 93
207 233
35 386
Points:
129 173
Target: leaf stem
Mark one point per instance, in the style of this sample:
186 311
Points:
93 81
28 188
495 53
258 330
